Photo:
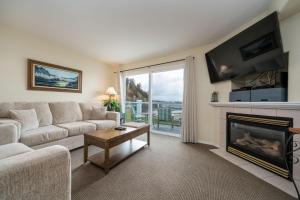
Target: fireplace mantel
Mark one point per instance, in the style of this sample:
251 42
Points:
267 105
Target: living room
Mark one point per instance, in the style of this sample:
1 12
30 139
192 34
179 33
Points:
148 100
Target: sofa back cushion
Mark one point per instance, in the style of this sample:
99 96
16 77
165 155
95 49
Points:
4 109
99 113
87 109
27 118
64 112
42 111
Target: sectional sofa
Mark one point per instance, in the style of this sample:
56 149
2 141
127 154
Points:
26 173
62 123
32 165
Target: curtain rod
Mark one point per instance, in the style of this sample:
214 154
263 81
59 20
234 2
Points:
153 65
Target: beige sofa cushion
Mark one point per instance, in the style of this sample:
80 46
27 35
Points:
87 109
42 111
27 118
13 149
78 128
99 113
103 124
43 135
5 107
64 112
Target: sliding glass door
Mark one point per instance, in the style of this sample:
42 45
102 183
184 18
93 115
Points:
137 98
167 95
154 97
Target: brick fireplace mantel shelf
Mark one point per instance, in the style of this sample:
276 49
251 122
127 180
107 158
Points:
267 105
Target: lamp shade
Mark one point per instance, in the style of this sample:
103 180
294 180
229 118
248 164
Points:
111 91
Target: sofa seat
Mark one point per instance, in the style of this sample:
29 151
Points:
59 123
13 149
43 135
78 128
103 124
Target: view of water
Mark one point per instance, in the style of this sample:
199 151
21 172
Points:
167 95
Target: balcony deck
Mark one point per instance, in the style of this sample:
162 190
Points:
167 128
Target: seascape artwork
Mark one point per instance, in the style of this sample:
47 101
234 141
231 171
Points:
51 77
45 76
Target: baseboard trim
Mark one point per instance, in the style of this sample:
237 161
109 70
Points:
208 143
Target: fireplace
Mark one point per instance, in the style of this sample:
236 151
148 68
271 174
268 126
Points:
262 140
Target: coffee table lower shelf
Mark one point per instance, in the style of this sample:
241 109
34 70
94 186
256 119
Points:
118 153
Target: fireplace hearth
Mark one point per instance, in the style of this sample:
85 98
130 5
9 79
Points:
262 140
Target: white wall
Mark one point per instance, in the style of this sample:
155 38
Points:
16 47
290 31
207 117
206 113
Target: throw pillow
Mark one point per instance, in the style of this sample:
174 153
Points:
99 113
27 118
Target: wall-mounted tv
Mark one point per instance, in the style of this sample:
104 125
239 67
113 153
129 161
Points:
256 49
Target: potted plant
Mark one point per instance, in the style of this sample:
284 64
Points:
112 105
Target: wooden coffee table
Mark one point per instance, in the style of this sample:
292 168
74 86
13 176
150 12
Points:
117 145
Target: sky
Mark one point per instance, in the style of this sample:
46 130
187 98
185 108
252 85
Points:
166 86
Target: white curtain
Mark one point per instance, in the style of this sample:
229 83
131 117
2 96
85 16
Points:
119 83
189 126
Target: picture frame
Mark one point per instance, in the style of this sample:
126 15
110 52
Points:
50 77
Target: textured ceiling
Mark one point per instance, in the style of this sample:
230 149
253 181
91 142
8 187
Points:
129 30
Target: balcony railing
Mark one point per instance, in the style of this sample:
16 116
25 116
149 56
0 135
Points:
166 116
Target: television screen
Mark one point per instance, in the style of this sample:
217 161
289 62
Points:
254 50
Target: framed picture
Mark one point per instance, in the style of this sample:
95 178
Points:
50 77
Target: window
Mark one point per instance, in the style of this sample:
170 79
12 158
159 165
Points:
155 96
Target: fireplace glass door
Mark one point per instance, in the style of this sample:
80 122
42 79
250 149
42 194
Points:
262 140
265 143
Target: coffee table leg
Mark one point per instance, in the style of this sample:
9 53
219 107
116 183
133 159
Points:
86 149
148 137
106 161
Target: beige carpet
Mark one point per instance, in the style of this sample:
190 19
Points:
171 170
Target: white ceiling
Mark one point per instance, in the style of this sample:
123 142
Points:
124 31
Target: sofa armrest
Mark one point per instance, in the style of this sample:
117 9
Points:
114 116
40 174
9 133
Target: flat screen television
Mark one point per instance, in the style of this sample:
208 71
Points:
256 49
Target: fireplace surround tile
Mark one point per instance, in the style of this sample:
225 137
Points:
277 180
296 171
222 133
266 112
274 180
233 159
257 171
282 184
289 188
295 114
243 110
223 112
